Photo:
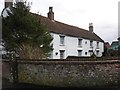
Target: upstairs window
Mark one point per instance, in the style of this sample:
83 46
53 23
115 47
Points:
91 43
62 40
79 42
97 44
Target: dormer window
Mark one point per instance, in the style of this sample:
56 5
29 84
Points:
79 42
62 40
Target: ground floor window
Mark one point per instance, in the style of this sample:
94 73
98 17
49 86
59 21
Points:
97 53
79 52
62 54
91 52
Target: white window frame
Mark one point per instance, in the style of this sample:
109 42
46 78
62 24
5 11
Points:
91 53
97 53
62 40
91 44
62 54
97 45
79 42
79 52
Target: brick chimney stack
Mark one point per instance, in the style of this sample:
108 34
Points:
8 3
91 27
51 13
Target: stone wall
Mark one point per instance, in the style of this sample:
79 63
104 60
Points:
70 73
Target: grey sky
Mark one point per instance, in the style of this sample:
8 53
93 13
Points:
102 13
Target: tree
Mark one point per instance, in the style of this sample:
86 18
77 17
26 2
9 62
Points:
119 51
106 52
24 33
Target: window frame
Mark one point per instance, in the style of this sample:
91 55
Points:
62 40
62 54
80 42
97 53
97 45
79 53
91 43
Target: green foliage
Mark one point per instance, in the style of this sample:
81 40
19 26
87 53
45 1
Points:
21 27
111 52
105 53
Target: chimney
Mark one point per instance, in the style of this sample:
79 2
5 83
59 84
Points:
91 27
51 13
8 3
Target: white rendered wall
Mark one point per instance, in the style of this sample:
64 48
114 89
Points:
71 46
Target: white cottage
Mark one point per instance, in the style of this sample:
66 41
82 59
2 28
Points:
70 40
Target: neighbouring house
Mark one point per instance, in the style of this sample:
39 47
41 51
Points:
115 45
115 48
70 40
107 45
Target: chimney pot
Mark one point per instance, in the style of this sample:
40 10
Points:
50 9
91 27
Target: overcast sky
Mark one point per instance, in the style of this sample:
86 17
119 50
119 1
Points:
102 13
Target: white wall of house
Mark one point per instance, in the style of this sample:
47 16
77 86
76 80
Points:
71 47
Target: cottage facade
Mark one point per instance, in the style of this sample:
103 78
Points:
65 45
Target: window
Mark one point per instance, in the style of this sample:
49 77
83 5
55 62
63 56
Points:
79 52
85 53
97 53
86 42
97 44
91 43
79 42
91 52
62 54
62 40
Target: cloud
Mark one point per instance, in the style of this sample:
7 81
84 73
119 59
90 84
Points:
109 32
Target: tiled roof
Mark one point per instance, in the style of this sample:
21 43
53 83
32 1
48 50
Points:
62 28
